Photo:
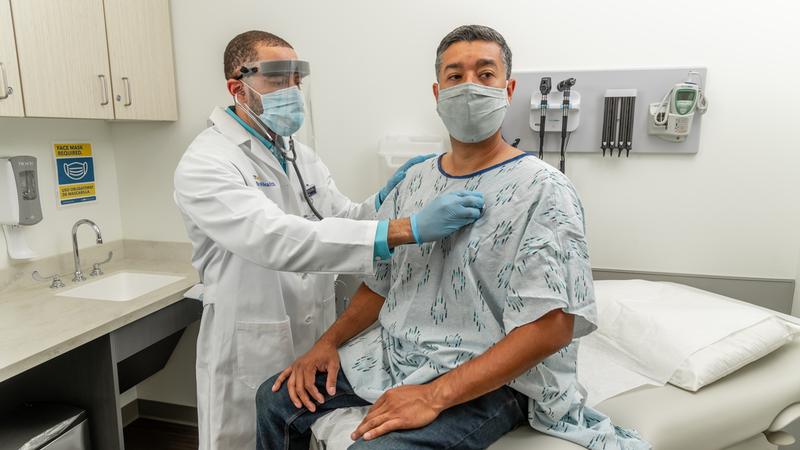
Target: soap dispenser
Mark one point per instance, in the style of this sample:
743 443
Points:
19 202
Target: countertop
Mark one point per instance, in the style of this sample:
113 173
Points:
36 325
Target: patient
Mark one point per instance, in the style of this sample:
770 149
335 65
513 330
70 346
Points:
477 333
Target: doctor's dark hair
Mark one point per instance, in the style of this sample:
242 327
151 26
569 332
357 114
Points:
244 48
469 33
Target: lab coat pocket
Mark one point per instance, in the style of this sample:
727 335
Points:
262 350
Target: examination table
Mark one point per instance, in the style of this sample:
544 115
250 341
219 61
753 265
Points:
733 413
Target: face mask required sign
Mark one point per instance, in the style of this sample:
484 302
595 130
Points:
74 173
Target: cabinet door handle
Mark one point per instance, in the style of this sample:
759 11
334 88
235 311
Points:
6 89
127 82
104 89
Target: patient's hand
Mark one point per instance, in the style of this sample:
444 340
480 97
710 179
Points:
401 408
302 374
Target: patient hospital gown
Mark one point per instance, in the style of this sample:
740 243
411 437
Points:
449 301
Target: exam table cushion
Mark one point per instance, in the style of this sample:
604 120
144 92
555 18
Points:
725 413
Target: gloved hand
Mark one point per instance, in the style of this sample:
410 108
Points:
398 176
446 214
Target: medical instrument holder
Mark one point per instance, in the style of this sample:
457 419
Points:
554 111
618 121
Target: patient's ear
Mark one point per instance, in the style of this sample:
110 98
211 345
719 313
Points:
512 85
436 91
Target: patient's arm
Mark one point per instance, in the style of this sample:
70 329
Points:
520 350
323 357
360 314
412 406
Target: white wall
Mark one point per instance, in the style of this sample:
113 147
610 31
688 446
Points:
725 211
35 137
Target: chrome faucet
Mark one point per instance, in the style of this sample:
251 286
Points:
76 256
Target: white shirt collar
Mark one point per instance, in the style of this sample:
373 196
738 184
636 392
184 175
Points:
227 125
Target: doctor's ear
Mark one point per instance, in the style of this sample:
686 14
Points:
236 89
436 91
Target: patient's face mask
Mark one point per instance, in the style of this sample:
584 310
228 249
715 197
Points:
283 111
472 112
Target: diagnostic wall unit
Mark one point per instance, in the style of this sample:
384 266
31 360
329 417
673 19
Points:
650 84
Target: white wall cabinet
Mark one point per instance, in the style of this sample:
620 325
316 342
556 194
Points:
95 59
63 58
140 50
10 91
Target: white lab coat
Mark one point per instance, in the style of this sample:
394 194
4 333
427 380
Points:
268 270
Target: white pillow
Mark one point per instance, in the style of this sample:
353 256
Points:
689 337
734 352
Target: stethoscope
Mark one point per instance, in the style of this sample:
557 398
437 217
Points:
293 160
277 143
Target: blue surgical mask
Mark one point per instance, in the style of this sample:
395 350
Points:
472 112
283 111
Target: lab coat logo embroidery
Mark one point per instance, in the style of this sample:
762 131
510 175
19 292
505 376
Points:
262 183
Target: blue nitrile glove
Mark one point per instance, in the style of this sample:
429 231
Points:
446 215
398 177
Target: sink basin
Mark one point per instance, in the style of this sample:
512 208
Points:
121 286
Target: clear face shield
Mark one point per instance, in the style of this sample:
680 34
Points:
278 98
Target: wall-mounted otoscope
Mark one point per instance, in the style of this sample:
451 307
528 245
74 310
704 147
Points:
544 89
564 86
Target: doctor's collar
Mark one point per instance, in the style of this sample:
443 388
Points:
279 156
231 110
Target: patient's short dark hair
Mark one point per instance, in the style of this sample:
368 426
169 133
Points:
469 33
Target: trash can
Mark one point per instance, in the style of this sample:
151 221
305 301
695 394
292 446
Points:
45 426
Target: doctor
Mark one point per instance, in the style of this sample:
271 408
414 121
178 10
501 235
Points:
253 201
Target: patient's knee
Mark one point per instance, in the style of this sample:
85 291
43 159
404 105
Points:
268 402
380 443
364 445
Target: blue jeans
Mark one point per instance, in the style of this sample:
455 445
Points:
472 425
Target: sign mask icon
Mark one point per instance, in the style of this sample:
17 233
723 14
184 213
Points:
76 170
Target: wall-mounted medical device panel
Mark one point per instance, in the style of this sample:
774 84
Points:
589 120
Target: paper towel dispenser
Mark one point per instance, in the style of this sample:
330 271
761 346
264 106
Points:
19 191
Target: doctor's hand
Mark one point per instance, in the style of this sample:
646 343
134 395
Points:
402 408
400 174
301 375
446 214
